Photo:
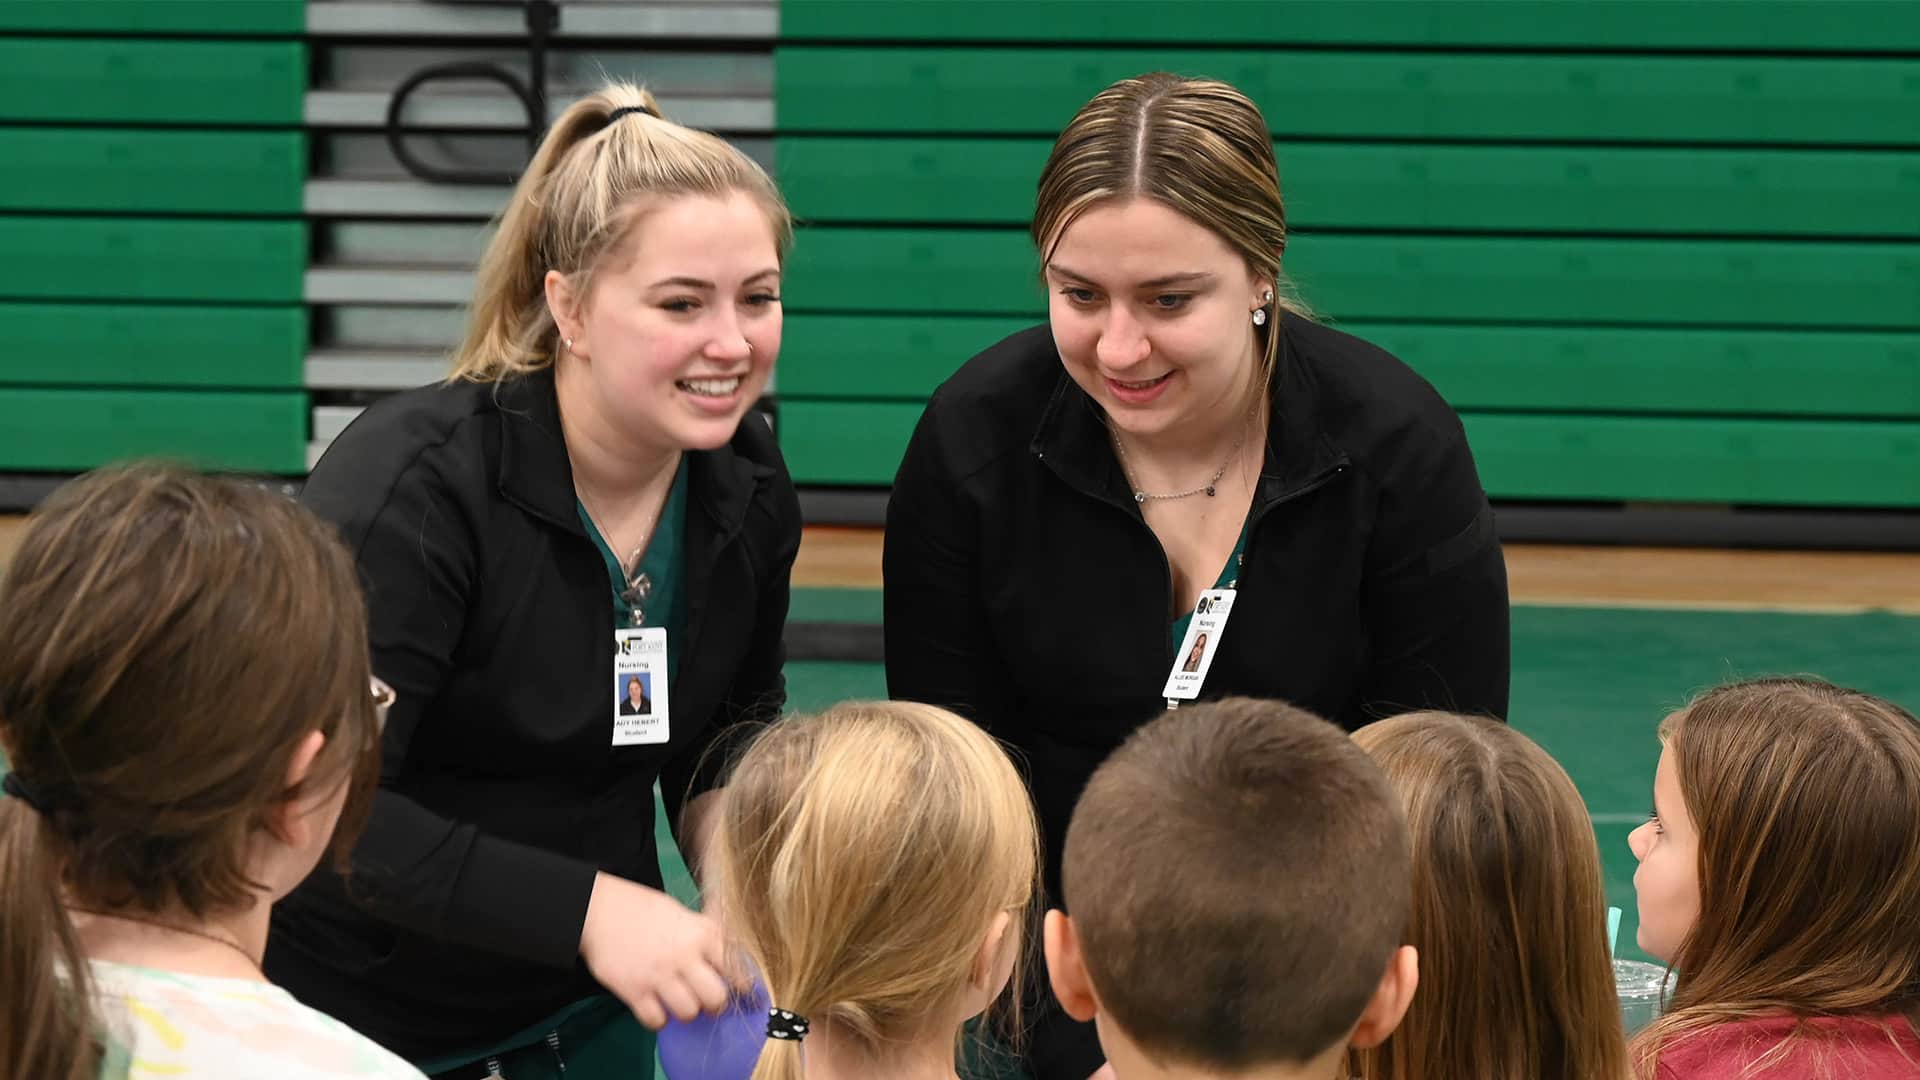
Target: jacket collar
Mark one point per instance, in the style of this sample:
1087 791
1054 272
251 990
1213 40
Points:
537 476
1072 436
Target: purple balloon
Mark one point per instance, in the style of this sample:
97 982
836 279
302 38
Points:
723 1047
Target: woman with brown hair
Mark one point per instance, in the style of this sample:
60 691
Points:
1509 910
1780 876
586 499
1180 428
184 700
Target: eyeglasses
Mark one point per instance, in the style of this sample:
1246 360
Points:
383 698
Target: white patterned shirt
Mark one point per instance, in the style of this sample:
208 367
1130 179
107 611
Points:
164 1025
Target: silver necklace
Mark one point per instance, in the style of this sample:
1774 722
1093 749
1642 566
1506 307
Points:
638 585
1207 488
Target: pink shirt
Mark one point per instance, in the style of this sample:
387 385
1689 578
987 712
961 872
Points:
1852 1048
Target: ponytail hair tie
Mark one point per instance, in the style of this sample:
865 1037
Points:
16 787
626 110
789 1026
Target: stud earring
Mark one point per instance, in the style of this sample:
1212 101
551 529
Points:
1259 316
568 342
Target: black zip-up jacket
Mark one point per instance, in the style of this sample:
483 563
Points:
1024 588
501 794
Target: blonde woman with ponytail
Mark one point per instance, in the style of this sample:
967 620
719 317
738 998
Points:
583 503
877 863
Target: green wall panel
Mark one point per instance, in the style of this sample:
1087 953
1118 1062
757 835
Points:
1354 95
121 80
1802 462
221 17
845 443
881 357
1418 278
152 259
1781 462
153 345
1595 369
1783 25
1558 368
1676 282
72 430
933 271
152 172
871 180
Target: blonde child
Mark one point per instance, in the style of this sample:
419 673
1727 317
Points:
876 863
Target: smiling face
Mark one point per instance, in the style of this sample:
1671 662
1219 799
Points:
1667 883
1152 315
680 331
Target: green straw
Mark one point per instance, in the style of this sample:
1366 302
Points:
1613 929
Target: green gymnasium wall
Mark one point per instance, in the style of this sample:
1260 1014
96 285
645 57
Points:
1652 250
1663 250
151 162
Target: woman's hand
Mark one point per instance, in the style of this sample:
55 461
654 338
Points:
654 955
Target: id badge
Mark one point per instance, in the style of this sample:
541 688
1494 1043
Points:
1197 649
640 686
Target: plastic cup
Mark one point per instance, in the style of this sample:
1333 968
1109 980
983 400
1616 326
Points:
1642 989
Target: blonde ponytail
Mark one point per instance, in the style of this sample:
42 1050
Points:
576 203
861 855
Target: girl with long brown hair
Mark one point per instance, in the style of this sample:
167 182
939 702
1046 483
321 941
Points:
1780 876
877 862
186 706
1509 910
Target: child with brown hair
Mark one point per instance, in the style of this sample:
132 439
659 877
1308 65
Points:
1780 876
184 700
1236 876
876 862
1509 910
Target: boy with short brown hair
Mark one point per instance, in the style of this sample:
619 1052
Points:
1239 879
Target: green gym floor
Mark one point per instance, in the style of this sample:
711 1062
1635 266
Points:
1590 683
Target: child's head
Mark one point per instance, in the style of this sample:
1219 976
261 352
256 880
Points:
876 862
639 257
1237 875
1509 910
184 698
1781 867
